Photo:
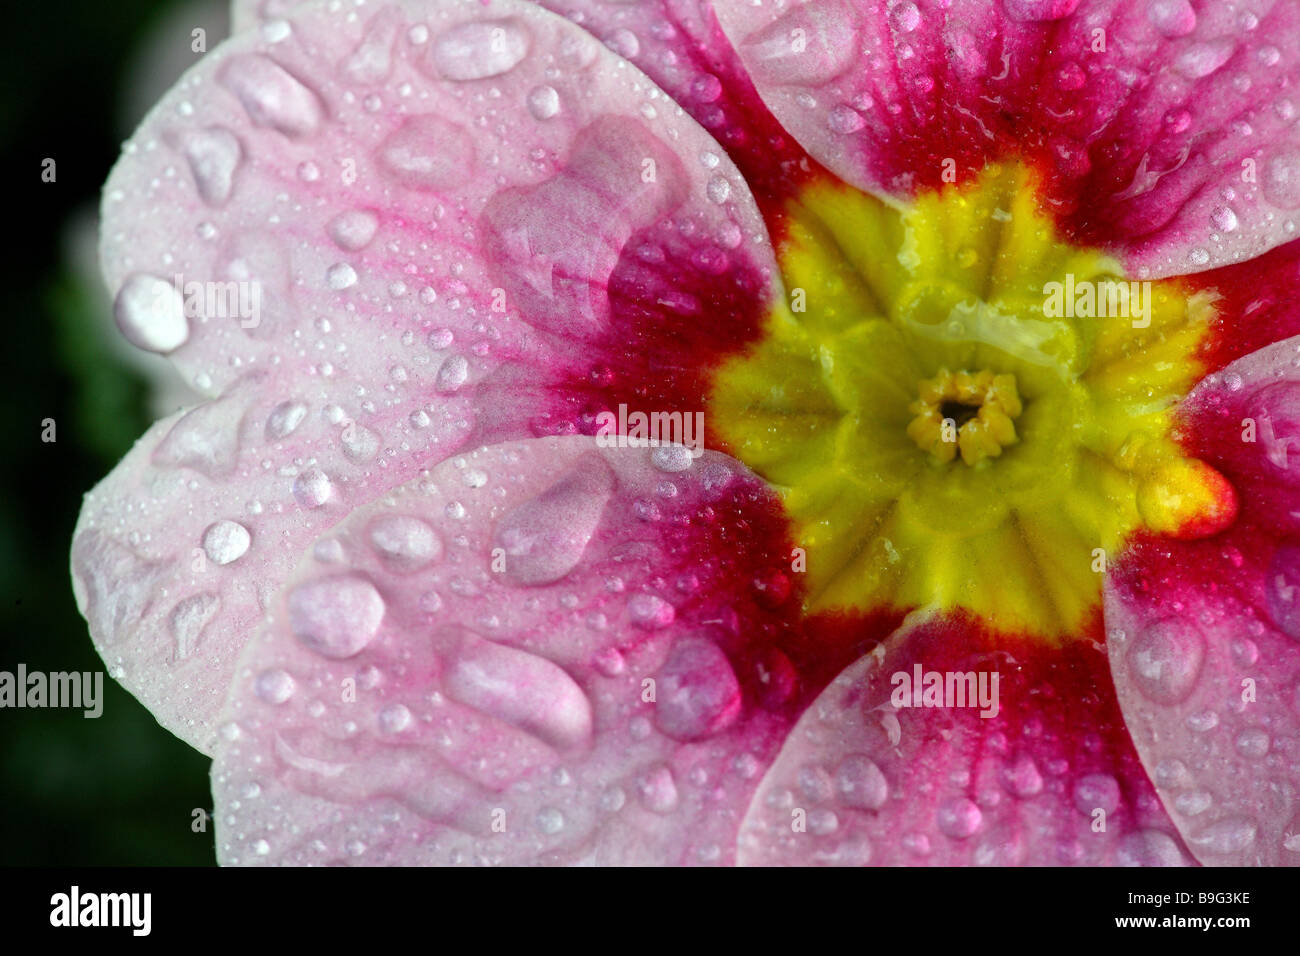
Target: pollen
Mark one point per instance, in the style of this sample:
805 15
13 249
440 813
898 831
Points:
971 413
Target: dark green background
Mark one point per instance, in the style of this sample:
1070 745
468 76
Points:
120 789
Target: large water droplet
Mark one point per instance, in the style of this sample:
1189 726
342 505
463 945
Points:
336 616
284 419
1165 660
544 538
1096 791
225 541
188 619
312 488
151 313
353 229
1173 18
1281 178
371 60
272 96
958 818
522 689
1227 836
657 790
1201 59
274 686
213 154
427 153
476 51
404 543
861 783
809 45
543 102
697 693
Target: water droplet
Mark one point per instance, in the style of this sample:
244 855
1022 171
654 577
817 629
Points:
404 543
427 153
624 42
476 51
1224 219
394 718
452 374
543 102
1096 791
359 443
274 686
1201 59
341 276
213 155
544 538
312 488
657 790
650 611
1165 660
225 541
1253 742
1192 803
1227 836
549 820
861 783
188 619
336 616
151 313
844 119
1173 18
371 60
1281 180
353 229
522 689
697 692
671 458
284 419
958 818
1022 779
272 96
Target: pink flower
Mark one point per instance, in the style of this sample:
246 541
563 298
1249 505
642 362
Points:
975 568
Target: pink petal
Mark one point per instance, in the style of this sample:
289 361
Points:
861 781
1204 636
474 648
679 45
432 202
1175 147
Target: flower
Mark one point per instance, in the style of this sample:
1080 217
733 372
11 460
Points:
988 308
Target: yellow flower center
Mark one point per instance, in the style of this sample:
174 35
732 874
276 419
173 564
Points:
964 326
973 413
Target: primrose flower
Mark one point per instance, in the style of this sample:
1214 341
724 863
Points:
988 552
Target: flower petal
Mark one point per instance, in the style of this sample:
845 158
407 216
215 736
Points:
1168 131
372 240
542 651
1047 778
1204 636
1255 305
679 45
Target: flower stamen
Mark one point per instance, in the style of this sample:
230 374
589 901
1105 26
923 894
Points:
969 412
